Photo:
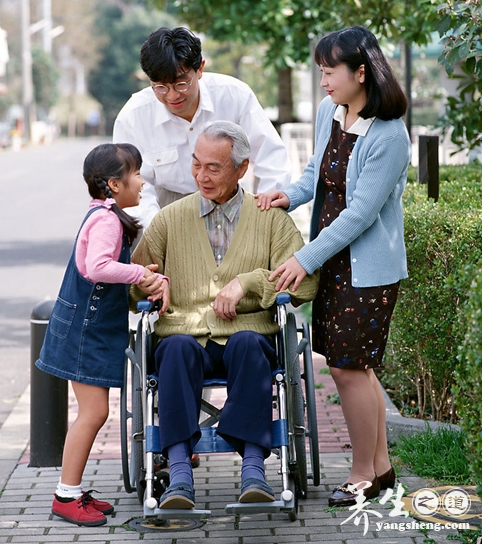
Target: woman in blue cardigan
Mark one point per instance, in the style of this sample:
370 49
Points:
356 178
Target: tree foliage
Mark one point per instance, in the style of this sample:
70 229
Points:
118 75
45 77
460 27
287 27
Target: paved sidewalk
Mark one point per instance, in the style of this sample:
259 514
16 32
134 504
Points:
27 494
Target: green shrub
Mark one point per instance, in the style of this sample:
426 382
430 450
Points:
443 242
467 386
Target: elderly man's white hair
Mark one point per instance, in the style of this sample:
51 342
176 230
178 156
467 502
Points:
227 130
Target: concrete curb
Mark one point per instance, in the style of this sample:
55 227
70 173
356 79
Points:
398 426
14 437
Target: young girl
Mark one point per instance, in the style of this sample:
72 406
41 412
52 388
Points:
88 329
356 177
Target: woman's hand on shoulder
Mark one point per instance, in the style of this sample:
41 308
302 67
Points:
272 199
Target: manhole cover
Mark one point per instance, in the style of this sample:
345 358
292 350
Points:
155 525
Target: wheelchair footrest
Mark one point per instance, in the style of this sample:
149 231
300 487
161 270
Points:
167 513
240 508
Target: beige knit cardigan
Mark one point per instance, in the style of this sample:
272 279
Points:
178 242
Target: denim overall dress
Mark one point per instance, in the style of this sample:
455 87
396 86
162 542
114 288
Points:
88 329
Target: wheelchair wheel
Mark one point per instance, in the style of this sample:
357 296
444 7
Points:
311 430
296 419
132 431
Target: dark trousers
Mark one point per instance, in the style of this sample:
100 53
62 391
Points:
246 363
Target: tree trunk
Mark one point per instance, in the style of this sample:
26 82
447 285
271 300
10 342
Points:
285 99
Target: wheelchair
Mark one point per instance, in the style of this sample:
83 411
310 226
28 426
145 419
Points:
294 429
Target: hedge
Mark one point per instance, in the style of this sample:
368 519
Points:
424 350
467 386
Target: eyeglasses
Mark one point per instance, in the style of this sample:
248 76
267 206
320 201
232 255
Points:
180 87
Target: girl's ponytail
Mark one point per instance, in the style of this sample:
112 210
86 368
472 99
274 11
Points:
130 225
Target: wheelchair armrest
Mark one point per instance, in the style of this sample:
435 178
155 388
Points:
147 306
282 298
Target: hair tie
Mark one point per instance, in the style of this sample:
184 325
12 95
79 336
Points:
103 186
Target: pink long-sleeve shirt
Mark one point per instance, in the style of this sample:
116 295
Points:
99 246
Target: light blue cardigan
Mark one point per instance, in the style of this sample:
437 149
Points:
373 221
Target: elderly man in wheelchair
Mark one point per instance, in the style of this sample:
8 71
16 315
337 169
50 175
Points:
217 316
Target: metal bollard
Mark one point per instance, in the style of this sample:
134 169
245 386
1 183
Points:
48 398
428 166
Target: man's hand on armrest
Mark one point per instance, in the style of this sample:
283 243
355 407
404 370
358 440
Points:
227 299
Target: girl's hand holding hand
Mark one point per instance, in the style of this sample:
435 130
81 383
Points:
290 271
156 286
149 281
272 199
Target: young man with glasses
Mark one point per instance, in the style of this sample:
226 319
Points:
164 120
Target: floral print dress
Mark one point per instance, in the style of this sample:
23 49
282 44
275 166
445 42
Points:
350 325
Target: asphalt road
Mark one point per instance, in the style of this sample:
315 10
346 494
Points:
43 199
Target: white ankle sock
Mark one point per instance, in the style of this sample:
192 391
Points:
68 491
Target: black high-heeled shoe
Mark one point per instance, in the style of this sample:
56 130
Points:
346 495
388 479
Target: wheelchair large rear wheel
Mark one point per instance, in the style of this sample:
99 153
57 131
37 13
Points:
297 417
311 431
132 430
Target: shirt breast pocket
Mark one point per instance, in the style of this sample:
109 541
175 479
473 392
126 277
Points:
166 167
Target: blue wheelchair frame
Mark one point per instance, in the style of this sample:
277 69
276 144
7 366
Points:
296 425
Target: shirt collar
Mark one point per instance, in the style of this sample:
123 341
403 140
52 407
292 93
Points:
205 99
360 127
107 203
229 208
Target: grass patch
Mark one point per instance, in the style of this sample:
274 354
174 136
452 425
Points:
441 455
467 536
333 399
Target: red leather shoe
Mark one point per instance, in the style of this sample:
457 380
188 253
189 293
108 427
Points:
103 506
78 511
195 460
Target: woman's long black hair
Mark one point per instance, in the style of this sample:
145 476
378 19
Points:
353 47
108 161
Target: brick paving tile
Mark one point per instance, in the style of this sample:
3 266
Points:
25 516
